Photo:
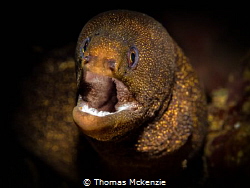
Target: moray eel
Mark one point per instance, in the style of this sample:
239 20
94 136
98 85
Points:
134 81
140 111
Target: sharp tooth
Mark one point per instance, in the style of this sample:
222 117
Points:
124 107
95 112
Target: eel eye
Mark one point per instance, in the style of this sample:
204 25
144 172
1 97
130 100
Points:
83 47
133 57
85 44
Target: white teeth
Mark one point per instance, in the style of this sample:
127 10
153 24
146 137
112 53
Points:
125 107
95 112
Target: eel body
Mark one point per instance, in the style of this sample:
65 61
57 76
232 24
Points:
139 100
140 112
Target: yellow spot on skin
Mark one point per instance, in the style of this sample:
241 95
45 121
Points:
177 141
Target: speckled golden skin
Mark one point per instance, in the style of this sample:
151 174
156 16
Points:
185 117
164 83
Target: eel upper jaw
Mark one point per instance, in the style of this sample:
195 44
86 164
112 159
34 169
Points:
102 103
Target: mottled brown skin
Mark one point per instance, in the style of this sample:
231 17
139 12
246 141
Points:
170 122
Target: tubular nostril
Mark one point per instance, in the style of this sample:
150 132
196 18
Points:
111 64
86 59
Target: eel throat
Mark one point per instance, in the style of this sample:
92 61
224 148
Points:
103 95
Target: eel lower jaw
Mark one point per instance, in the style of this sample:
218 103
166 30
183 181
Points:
104 125
105 107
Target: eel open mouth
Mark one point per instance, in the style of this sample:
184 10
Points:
102 95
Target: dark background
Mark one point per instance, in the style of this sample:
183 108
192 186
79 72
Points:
214 38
